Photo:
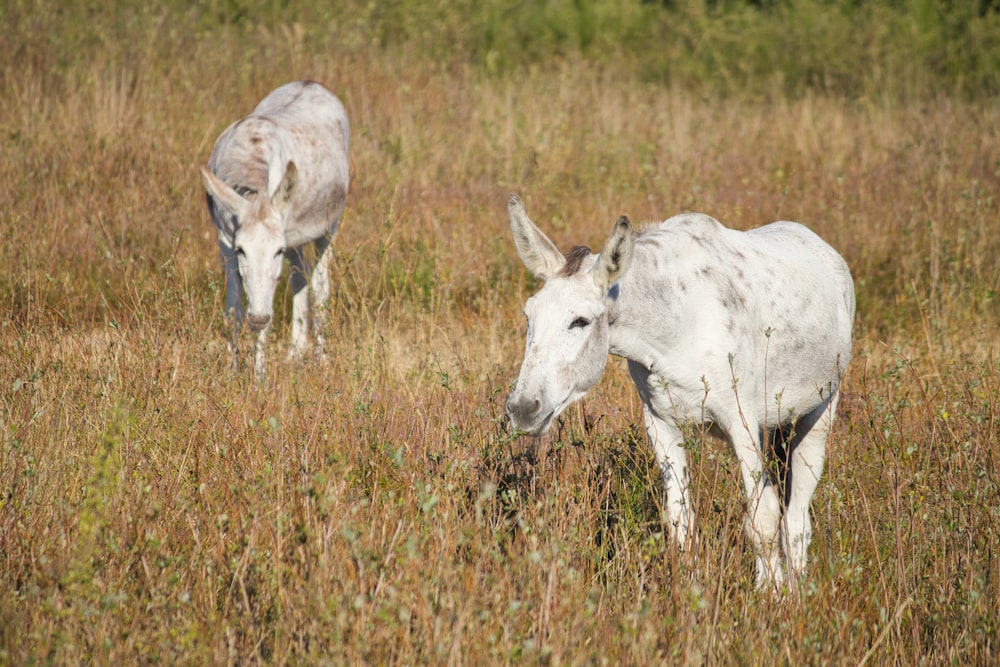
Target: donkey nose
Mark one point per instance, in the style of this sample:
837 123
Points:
523 407
258 322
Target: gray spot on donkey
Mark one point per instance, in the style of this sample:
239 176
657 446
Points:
276 181
749 332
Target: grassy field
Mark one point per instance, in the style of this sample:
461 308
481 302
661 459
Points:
373 508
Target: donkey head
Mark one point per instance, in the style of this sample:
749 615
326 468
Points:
568 336
258 239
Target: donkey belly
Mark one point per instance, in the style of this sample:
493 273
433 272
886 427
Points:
802 368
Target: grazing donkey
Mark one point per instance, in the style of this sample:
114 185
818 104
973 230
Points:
748 332
277 180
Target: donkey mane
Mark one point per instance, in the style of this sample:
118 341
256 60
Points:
574 260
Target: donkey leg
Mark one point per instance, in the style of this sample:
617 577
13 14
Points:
320 287
763 520
234 311
667 442
259 360
300 303
807 455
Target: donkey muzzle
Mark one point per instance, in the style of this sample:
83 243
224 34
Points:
523 412
258 322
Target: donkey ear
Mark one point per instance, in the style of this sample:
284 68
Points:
616 257
537 252
283 195
223 195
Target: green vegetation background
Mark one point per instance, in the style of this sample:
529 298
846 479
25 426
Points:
904 49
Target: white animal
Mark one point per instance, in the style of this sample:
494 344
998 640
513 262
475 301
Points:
276 181
748 332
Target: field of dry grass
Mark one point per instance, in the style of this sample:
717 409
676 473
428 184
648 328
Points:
374 508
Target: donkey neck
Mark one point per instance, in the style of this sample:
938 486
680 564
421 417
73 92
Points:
256 156
643 311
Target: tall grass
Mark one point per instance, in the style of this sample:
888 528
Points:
374 508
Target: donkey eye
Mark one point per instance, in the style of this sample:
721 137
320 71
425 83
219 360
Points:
579 323
240 251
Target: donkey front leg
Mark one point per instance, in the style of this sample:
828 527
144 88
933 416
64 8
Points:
300 303
667 442
233 310
320 288
259 360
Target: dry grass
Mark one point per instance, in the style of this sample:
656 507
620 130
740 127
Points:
373 508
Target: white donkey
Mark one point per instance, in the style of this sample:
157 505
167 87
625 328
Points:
276 181
748 332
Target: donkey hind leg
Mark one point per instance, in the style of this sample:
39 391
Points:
300 302
320 288
763 521
806 454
